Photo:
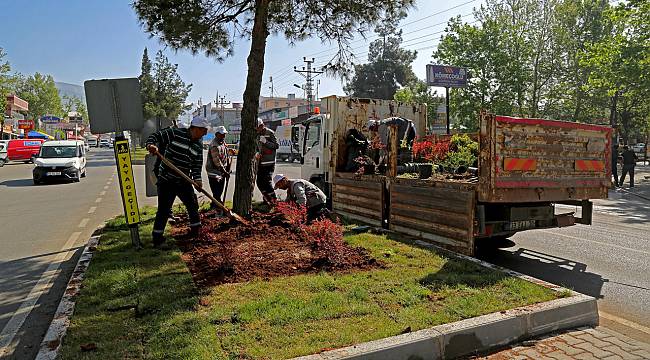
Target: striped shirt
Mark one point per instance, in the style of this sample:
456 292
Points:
179 148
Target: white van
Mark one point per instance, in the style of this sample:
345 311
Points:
63 160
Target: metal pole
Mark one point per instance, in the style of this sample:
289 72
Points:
447 109
119 135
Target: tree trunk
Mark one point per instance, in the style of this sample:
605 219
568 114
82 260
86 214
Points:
244 185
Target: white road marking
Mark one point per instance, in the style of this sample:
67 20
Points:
11 328
92 209
98 200
597 242
625 322
106 187
108 183
84 222
102 193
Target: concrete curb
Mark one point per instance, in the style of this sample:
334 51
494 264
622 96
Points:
479 334
51 344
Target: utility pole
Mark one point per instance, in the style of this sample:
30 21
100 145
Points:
271 87
308 73
221 101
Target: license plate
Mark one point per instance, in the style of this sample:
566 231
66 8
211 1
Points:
54 173
521 225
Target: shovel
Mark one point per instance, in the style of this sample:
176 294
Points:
225 188
227 211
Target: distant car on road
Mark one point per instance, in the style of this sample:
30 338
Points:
62 160
638 148
104 143
3 152
23 149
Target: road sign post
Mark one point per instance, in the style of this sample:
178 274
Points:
114 105
447 77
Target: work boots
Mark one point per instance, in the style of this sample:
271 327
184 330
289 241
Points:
194 232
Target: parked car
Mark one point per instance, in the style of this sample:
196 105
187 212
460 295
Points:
23 149
62 160
638 148
3 152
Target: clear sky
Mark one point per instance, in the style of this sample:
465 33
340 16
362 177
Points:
77 40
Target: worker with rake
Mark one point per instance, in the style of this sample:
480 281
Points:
182 149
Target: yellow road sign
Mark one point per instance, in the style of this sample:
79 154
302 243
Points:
127 182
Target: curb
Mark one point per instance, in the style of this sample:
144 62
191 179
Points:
51 344
479 334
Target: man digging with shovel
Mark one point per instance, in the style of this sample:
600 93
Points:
184 151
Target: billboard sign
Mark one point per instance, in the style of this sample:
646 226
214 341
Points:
26 124
50 119
446 76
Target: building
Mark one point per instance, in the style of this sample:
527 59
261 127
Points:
15 110
277 111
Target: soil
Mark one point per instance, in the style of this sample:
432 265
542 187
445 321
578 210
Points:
267 247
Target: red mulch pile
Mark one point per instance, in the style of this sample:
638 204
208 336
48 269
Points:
269 246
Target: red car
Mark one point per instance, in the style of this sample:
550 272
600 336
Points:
23 149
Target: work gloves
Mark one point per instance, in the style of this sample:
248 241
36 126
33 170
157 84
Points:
263 139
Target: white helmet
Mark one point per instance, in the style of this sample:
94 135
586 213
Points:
221 130
276 180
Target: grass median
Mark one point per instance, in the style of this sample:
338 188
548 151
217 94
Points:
144 304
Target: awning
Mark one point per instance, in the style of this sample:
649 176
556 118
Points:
39 135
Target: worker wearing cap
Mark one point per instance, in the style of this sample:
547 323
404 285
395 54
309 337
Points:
182 147
267 144
217 165
303 193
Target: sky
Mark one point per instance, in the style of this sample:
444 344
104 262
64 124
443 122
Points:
78 40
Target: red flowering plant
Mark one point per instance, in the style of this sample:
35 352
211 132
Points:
429 150
294 214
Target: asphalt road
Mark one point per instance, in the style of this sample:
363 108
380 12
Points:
42 233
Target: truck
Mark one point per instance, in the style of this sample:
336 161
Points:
288 140
529 172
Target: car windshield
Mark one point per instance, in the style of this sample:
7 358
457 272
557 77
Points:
58 151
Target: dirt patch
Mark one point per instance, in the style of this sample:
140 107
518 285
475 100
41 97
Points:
269 246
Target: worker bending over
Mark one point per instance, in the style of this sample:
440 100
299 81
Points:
303 193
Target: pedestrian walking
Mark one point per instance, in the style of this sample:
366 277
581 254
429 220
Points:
629 162
182 147
303 193
217 164
615 164
267 145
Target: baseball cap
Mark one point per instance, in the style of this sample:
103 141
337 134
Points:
221 130
260 122
277 179
200 122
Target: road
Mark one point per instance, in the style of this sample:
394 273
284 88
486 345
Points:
42 233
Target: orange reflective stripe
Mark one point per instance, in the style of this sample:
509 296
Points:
590 165
519 164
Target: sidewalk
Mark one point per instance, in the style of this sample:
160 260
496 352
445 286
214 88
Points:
581 344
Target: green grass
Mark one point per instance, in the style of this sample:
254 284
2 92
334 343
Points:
144 305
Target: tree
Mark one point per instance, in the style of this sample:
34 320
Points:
73 103
162 89
41 93
213 26
7 81
620 65
147 87
389 67
418 92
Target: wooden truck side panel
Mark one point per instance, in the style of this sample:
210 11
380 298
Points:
442 212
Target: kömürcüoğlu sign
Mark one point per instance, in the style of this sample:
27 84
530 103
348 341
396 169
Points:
446 76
